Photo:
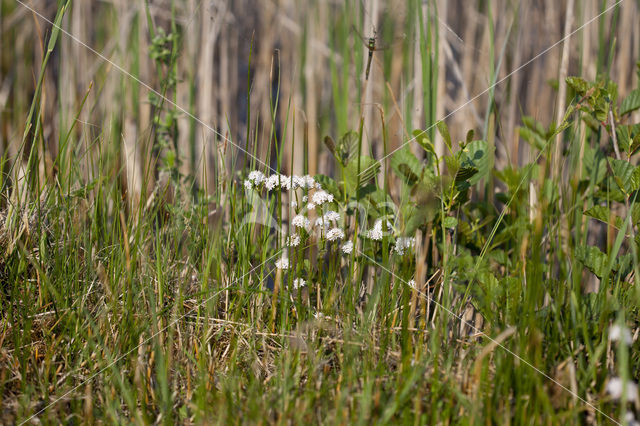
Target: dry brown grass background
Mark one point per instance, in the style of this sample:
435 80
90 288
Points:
293 47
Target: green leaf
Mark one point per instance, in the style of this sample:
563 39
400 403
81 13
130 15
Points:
449 222
329 185
625 175
465 173
470 135
406 165
368 170
476 154
444 132
423 140
595 167
634 145
578 84
631 102
347 147
593 259
601 213
532 137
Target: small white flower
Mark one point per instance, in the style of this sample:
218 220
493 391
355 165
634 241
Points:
320 197
412 284
256 177
347 247
300 221
331 216
309 182
311 206
335 234
321 316
617 333
630 419
283 262
293 240
616 385
299 282
404 243
248 184
305 198
272 182
294 204
285 182
376 232
298 182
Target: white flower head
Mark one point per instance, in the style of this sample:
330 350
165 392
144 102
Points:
294 204
248 184
335 234
298 283
272 182
375 233
283 262
321 316
331 216
617 333
256 177
630 419
293 240
616 387
320 197
305 198
347 247
404 243
412 284
298 182
300 221
309 181
311 206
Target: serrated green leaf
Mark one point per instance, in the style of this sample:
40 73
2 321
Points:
578 84
601 213
593 259
634 145
449 222
625 174
631 102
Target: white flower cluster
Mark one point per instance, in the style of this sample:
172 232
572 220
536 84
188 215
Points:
293 240
327 219
404 243
254 179
617 386
335 234
320 197
347 247
412 284
375 233
617 333
298 283
257 178
283 262
301 221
